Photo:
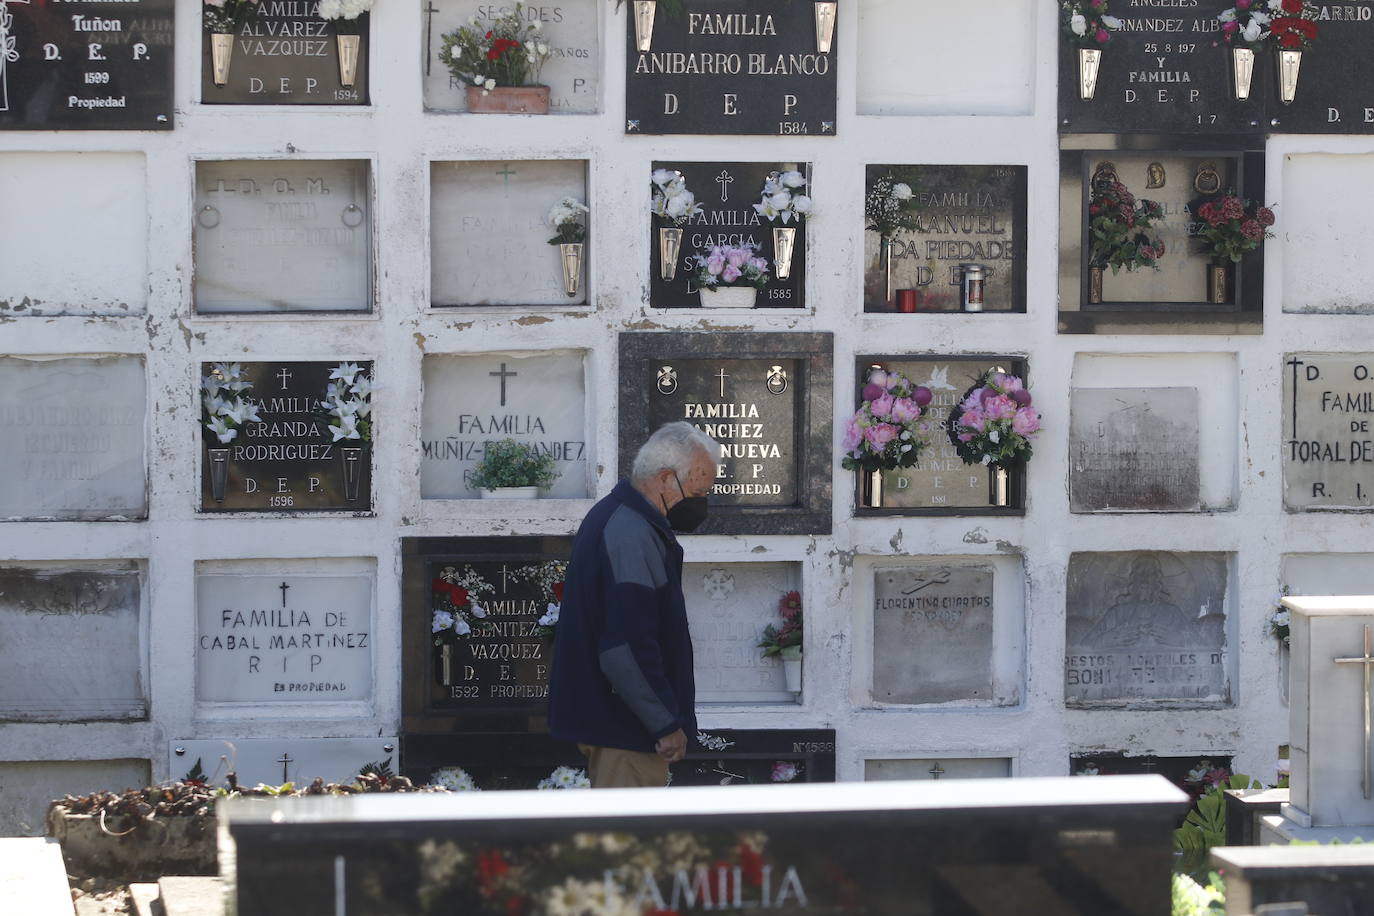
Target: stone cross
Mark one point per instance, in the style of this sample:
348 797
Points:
505 172
936 771
284 374
1366 775
285 760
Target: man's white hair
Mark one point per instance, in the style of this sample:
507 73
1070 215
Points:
673 445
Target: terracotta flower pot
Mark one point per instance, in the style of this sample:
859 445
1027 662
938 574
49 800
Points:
509 100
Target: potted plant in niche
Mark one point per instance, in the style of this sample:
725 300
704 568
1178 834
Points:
672 205
568 218
224 408
1230 228
783 202
785 642
886 431
499 63
512 470
1116 230
1089 28
223 19
994 426
345 14
730 276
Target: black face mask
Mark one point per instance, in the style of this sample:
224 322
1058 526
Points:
686 515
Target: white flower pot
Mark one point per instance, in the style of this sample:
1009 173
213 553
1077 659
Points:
728 297
511 493
791 672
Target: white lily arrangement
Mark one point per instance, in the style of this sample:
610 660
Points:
348 403
565 778
568 218
344 13
672 202
784 198
224 408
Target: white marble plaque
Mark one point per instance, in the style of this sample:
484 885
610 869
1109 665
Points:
1133 449
278 760
728 605
932 633
1146 627
489 231
985 44
283 236
75 230
283 638
70 647
29 786
938 768
1326 203
572 29
1328 447
471 400
72 438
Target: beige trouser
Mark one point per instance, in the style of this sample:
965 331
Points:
614 768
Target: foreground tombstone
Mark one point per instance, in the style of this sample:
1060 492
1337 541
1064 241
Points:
1057 845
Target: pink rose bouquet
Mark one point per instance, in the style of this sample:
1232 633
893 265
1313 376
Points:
886 432
995 422
731 265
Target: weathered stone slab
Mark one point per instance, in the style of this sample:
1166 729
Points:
932 633
1134 449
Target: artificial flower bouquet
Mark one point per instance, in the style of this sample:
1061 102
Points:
227 16
671 203
886 432
565 777
1233 227
731 265
1086 22
784 198
347 403
224 407
1294 24
1116 228
888 205
345 14
506 51
995 422
456 604
568 218
785 641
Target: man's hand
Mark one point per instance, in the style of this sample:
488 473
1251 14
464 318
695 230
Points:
672 748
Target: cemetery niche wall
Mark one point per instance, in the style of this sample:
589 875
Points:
471 400
727 194
712 69
1148 630
1134 449
474 686
286 436
1327 448
284 53
743 757
283 236
73 438
490 233
1131 251
1167 70
86 65
940 483
945 238
728 606
765 397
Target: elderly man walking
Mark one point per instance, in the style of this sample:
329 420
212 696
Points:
622 686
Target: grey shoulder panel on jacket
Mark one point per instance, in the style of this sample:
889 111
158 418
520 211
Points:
635 550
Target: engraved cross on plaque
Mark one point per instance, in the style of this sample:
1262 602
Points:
285 760
429 11
505 573
503 375
722 375
505 172
284 374
283 588
725 179
936 771
1366 775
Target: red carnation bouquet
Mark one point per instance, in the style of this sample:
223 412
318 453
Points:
1232 227
1294 24
1116 228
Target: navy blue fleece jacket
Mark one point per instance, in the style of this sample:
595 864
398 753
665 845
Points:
622 662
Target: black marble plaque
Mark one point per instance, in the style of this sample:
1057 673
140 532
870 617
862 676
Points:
289 459
86 65
287 55
1336 80
731 67
496 678
961 214
727 192
737 757
766 398
952 847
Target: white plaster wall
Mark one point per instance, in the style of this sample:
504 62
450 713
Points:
401 140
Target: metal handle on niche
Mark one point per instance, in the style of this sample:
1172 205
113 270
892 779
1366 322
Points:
352 216
206 214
